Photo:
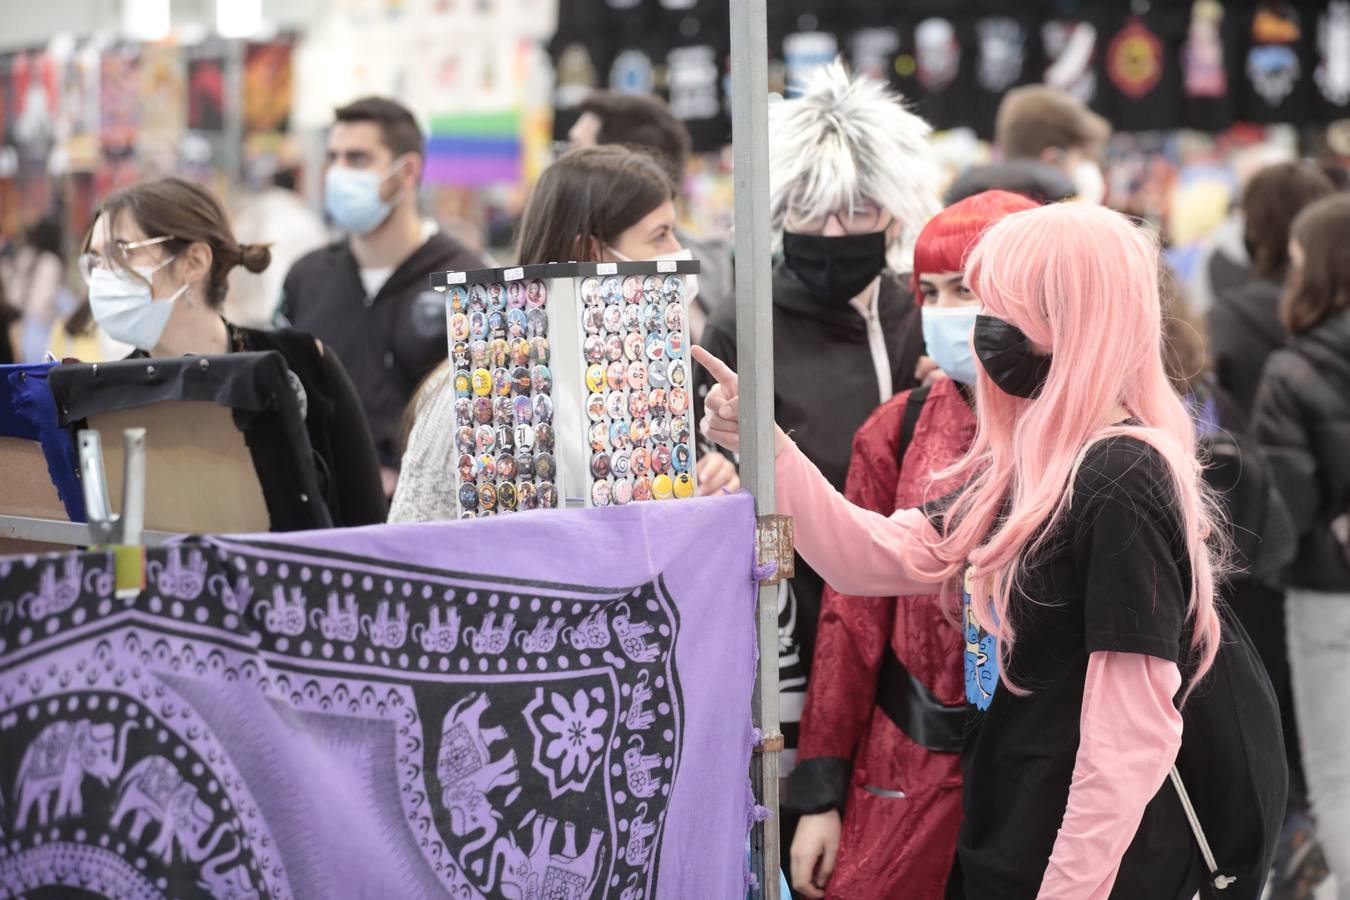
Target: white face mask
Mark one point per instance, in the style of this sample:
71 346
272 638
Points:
125 307
1088 181
690 281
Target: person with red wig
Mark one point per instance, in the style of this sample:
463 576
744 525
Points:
878 776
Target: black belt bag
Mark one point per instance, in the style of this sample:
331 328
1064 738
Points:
924 719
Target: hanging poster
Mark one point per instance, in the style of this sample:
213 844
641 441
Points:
1278 64
532 707
119 98
267 87
206 90
164 92
1070 52
1333 66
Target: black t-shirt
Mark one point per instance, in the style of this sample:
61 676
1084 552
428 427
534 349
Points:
1114 576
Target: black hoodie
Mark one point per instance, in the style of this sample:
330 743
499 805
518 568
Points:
1302 417
1244 328
388 342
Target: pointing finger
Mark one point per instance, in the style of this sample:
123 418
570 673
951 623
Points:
718 370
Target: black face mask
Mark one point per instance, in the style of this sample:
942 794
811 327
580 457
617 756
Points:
1009 358
835 269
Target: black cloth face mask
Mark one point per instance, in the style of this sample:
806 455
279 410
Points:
1009 358
835 269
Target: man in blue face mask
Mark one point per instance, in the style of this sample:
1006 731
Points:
367 296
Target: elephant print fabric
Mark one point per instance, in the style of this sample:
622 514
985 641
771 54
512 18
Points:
269 720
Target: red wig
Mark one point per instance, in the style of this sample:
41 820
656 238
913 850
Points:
948 238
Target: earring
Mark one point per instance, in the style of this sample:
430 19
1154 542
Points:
187 296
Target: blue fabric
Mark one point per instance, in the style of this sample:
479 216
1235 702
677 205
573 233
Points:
28 412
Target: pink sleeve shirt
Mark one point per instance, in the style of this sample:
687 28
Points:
1130 728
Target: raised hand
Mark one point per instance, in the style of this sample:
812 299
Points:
721 408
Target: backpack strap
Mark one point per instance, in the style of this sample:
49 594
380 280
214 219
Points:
910 419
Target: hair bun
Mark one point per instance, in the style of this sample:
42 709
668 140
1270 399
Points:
255 257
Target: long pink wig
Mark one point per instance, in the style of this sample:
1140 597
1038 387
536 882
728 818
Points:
1082 282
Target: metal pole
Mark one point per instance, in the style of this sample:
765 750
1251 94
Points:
754 353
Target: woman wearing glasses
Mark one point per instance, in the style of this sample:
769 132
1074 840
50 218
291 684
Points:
157 260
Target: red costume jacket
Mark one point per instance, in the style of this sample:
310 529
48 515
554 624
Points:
901 802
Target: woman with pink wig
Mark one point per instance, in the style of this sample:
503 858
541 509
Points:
1086 546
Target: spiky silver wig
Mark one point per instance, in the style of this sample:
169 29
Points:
846 140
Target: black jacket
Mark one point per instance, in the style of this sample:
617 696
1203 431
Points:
1243 328
388 342
1302 417
1037 180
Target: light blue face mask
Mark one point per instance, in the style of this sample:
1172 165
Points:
946 334
352 198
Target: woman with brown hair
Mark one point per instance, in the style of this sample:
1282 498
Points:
1244 323
1302 417
156 261
597 204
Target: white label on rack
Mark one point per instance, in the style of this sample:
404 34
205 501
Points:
514 274
456 278
665 265
606 269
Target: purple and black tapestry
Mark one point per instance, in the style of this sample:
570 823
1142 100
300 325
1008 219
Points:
549 706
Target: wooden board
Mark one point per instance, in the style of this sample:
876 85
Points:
26 489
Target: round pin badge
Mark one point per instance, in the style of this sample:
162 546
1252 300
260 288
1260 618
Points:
542 379
506 495
615 405
524 464
593 319
680 458
520 380
536 294
478 326
497 325
468 467
523 409
632 286
679 373
658 402
548 495
543 408
620 462
487 465
595 407
615 375
497 297
674 316
459 327
482 382
537 321
524 437
653 318
673 287
459 355
478 354
526 497
663 488
679 400
515 295
501 382
499 353
638 431
661 459
632 346
463 409
464 439
506 438
637 404
598 434
543 437
642 488
622 492
660 430
457 298
487 497
656 373
468 497
684 486
675 345
595 377
544 466
539 351
651 284
637 376
656 347
632 317
600 465
619 434
611 289
462 385
593 348
679 430
482 410
520 352
600 493
590 291
640 461
478 298
506 466
613 348
612 318
516 323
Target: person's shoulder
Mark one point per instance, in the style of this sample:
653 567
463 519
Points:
318 260
883 425
1122 467
443 252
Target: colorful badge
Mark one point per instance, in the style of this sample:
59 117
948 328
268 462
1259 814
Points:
459 327
536 294
632 346
675 316
656 347
590 291
679 430
663 488
501 382
457 298
600 465
615 404
619 434
487 465
632 317
524 437
502 411
468 467
673 288
684 486
622 492
482 410
482 382
637 376
656 373
593 348
506 495
657 400
642 488
680 458
613 348
595 407
597 434
640 461
654 317
537 321
497 297
524 464
515 295
638 431
548 495
614 375
506 436
543 408
478 354
516 323
542 379
523 409
478 327
526 498
632 286
661 459
612 317
539 351
678 373
679 400
478 298
463 409
600 493
543 437
620 462
593 319
497 326
637 404
611 289
544 466
675 345
464 439
520 380
459 355
595 377
506 466
499 352
487 497
462 385
468 497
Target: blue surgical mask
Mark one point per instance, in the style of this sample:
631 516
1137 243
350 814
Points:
946 334
352 198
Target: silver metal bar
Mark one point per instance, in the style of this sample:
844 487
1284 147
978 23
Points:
94 480
133 486
71 534
754 357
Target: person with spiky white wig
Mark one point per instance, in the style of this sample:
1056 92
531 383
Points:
852 180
